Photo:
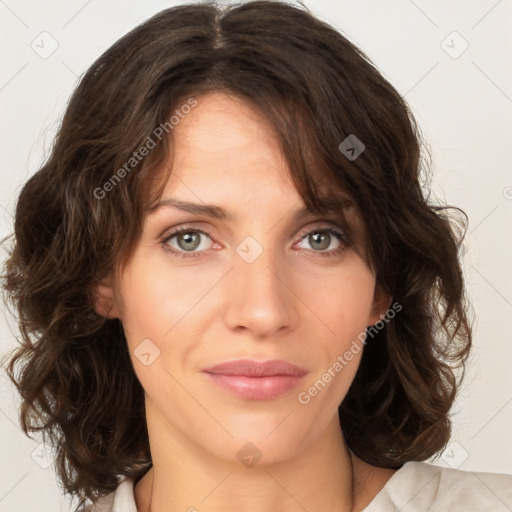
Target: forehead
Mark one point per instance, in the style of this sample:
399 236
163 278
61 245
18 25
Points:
225 131
222 128
225 148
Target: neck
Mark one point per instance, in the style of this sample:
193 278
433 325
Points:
188 478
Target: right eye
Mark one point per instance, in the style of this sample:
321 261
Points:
188 239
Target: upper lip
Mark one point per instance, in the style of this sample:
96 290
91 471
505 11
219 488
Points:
251 368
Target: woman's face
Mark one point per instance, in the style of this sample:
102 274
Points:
262 284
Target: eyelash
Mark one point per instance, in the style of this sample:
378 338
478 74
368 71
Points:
184 254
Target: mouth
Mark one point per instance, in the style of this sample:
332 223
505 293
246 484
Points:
253 380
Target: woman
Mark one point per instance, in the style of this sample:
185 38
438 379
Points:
239 295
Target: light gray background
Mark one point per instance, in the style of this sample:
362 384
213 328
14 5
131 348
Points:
463 104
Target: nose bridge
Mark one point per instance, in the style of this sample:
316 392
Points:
258 298
260 268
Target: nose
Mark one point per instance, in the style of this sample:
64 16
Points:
259 298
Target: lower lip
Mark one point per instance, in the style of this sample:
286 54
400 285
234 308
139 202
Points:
256 388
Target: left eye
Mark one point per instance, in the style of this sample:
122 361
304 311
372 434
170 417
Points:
321 239
189 241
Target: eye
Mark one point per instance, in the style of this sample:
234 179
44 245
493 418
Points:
321 239
186 242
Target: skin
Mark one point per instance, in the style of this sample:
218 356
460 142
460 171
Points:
290 303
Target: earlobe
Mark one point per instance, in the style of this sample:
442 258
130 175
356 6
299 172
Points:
381 304
104 299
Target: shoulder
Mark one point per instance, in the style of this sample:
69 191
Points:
121 500
420 486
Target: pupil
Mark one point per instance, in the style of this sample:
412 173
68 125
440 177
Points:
322 236
188 238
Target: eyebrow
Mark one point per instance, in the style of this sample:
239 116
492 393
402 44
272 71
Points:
329 206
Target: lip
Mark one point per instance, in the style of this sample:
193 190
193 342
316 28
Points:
256 380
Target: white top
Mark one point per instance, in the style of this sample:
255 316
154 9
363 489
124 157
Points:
415 487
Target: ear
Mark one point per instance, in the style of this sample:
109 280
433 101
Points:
104 299
381 303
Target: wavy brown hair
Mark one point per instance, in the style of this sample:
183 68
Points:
72 368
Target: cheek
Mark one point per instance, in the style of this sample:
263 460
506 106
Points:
142 305
157 310
149 312
153 301
344 301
